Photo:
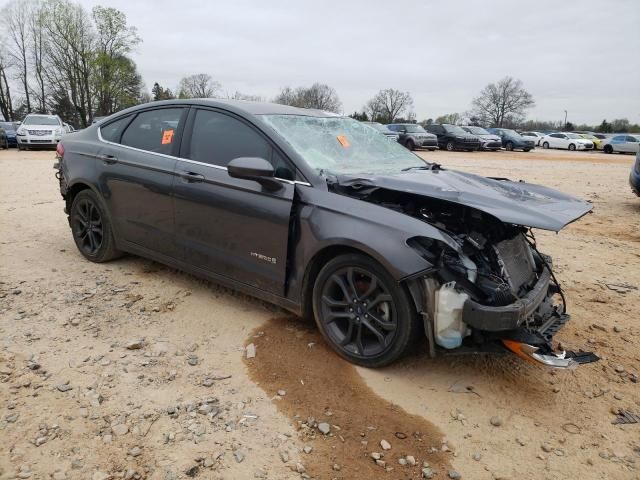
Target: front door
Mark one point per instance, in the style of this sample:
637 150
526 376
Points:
228 226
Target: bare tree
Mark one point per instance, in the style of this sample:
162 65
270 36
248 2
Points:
200 85
450 118
15 20
70 53
237 95
37 41
502 101
389 104
6 106
319 96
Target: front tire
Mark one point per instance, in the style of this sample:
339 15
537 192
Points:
91 228
450 147
572 147
608 149
509 147
410 145
545 145
362 312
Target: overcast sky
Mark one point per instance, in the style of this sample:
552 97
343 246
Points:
582 56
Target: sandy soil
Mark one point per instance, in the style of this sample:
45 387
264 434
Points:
134 370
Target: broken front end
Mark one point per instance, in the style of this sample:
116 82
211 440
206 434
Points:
496 291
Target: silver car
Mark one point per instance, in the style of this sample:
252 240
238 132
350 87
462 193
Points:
488 141
39 131
622 143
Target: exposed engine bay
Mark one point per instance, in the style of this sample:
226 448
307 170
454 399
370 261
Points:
495 287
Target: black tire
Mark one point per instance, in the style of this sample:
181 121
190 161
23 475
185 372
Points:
509 147
353 327
572 147
410 145
5 145
545 145
91 228
19 147
450 146
527 150
608 149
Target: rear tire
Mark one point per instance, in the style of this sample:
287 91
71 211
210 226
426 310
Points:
91 228
572 147
362 312
545 145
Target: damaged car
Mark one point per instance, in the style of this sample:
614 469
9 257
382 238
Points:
326 218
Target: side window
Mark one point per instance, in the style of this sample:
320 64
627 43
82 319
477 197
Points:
632 139
153 130
113 131
393 128
218 138
619 138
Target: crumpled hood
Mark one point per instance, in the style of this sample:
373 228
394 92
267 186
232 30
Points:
517 203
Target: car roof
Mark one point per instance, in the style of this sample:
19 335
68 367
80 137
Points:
239 106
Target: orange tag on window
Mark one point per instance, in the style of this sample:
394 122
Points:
167 137
343 141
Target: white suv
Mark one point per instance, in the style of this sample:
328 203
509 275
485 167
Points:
39 131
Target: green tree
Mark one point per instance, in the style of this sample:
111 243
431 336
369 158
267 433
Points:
160 93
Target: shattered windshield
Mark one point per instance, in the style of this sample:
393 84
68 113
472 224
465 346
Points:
341 145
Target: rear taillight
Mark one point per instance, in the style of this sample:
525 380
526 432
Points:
60 151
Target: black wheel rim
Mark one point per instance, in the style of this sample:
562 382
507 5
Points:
87 226
358 313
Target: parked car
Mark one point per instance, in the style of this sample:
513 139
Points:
566 140
39 131
68 128
488 141
634 177
591 137
535 136
414 136
622 143
453 137
384 130
324 217
512 140
10 131
4 141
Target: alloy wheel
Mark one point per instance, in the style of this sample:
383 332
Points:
87 226
358 312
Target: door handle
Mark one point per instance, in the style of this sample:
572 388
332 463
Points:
108 159
192 177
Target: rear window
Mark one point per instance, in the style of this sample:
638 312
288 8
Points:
154 130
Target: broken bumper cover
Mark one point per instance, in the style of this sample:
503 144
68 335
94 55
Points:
507 317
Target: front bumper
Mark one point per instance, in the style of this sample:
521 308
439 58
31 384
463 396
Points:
428 143
491 145
507 317
38 141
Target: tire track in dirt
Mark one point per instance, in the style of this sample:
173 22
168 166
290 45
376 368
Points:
292 356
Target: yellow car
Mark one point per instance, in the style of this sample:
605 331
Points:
596 141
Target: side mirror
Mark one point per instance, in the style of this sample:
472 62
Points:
256 169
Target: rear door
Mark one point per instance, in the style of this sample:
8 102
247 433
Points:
138 163
228 226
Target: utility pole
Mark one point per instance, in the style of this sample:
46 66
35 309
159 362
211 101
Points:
565 120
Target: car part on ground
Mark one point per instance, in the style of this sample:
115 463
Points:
413 136
512 140
621 143
453 137
488 141
324 217
39 131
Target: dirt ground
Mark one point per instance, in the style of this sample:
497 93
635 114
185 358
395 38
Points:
134 370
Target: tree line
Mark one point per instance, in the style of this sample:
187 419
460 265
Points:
58 57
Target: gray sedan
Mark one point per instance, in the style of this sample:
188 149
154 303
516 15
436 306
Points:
622 143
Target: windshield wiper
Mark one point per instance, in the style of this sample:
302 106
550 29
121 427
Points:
431 166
